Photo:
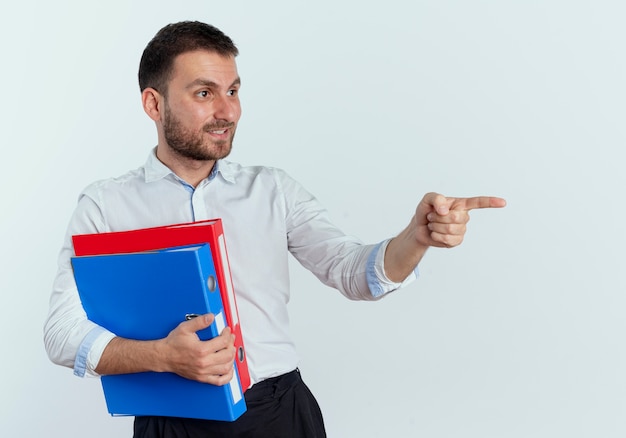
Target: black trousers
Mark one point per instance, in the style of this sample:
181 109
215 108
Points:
280 407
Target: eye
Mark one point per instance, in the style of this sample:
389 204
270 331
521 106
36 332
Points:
232 92
203 93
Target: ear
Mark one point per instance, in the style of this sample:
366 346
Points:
152 100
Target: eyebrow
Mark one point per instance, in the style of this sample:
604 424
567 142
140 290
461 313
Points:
211 84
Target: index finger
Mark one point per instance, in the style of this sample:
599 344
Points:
478 202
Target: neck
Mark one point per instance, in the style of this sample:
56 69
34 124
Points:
190 170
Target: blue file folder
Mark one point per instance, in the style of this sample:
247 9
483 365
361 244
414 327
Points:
144 296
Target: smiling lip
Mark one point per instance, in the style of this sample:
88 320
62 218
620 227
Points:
219 133
219 130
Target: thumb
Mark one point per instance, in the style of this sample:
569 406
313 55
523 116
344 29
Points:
196 323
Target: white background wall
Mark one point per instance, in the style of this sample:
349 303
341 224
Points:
518 333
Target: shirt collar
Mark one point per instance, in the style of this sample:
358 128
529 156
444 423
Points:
225 169
156 170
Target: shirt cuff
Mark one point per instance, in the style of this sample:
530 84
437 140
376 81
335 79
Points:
90 351
378 282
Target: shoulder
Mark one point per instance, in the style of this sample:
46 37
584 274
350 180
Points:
239 173
97 189
264 181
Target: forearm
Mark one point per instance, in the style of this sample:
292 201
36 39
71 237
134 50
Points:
181 352
123 356
403 254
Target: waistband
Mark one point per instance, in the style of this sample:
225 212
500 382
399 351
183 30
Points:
273 386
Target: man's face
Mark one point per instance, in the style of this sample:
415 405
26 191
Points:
202 108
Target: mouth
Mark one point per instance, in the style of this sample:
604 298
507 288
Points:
222 134
219 131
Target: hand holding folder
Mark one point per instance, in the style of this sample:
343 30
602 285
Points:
207 361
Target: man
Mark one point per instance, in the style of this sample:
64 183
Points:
189 84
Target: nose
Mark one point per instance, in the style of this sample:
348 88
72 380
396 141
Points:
226 108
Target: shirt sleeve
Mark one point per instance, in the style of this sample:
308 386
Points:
377 280
71 339
338 260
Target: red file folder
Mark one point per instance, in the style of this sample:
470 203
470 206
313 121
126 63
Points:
145 239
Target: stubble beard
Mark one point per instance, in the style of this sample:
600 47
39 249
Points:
194 145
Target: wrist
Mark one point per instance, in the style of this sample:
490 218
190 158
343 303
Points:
403 254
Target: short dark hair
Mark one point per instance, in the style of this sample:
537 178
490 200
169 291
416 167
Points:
175 39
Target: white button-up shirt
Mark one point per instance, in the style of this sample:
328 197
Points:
265 214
